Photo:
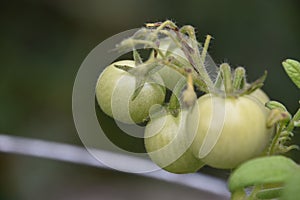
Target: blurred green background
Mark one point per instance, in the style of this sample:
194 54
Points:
43 43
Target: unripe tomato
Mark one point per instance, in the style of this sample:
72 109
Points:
229 130
170 76
114 91
260 95
168 146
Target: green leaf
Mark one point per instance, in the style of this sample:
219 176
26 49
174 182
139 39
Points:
296 117
297 123
264 170
292 68
238 195
269 193
292 187
275 104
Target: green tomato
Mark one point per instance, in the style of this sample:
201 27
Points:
170 76
260 95
168 146
228 130
114 91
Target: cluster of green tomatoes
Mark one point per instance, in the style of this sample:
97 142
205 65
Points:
211 118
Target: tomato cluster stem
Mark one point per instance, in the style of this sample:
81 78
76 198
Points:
195 57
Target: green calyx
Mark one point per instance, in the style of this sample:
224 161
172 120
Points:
193 57
234 84
143 72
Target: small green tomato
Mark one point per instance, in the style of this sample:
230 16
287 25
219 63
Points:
114 91
168 146
170 76
229 130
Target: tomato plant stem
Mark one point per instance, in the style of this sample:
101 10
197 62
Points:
205 48
279 129
296 118
193 54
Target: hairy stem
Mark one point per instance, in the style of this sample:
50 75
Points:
205 48
226 74
296 117
275 139
239 78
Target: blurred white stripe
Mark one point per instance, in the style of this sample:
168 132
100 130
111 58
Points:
79 155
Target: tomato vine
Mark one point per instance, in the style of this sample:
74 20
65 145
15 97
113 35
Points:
206 132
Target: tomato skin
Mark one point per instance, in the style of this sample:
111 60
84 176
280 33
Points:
170 77
241 124
115 88
260 95
167 144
